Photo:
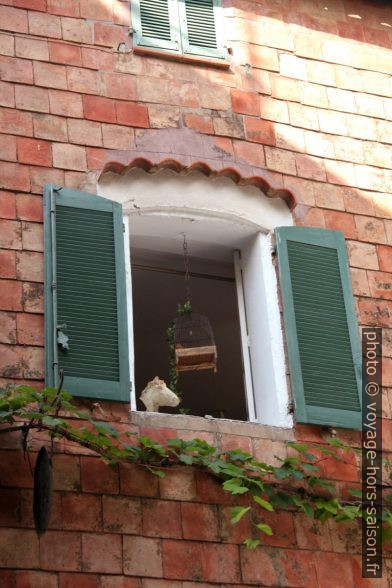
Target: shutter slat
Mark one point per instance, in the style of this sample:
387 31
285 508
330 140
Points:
201 23
321 330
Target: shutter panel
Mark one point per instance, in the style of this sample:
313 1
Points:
85 294
155 24
321 326
201 27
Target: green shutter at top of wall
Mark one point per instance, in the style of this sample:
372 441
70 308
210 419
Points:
321 327
85 295
156 24
201 27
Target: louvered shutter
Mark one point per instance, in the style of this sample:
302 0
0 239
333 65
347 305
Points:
321 326
85 294
155 24
201 28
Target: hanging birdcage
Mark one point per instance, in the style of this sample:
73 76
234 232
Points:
194 343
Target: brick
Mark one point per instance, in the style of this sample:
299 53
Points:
109 35
7 148
199 522
312 534
380 284
33 297
14 177
245 102
7 263
375 312
69 156
50 75
256 80
272 109
301 189
303 116
7 205
123 582
341 100
340 172
31 49
370 229
214 97
121 14
44 25
65 103
210 491
137 481
18 548
60 551
178 484
30 329
289 137
99 109
71 580
249 153
304 570
230 126
29 266
262 57
292 66
122 515
17 70
84 132
384 129
370 105
220 563
96 158
162 116
7 95
81 512
7 324
66 472
361 127
234 533
332 122
308 46
35 152
321 73
13 19
15 122
161 518
332 567
106 61
50 127
7 45
101 12
36 579
280 160
98 477
359 282
116 137
71 8
15 470
362 255
313 95
31 4
260 131
33 362
132 114
40 176
319 144
31 98
182 560
341 221
358 201
258 567
375 154
65 53
352 150
142 556
120 86
10 234
310 167
284 88
76 30
199 123
83 80
269 451
385 258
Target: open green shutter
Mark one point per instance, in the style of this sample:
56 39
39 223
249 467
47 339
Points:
201 27
321 326
155 24
85 294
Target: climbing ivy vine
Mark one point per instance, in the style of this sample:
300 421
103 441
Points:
296 483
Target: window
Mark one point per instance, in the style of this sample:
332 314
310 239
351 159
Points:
188 27
115 329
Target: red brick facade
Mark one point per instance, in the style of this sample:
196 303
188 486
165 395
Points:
305 112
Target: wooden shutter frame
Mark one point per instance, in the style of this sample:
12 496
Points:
335 240
155 43
187 48
87 387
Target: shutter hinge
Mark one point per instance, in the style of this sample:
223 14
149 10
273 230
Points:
123 227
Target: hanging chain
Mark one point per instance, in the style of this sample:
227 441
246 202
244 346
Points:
186 265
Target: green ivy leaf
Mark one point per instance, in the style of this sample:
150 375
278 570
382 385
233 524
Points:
263 503
52 421
237 513
265 528
355 492
234 485
251 543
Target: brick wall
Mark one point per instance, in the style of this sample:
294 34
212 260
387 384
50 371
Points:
305 108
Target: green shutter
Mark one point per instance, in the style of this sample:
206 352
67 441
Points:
321 326
201 28
85 294
155 24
